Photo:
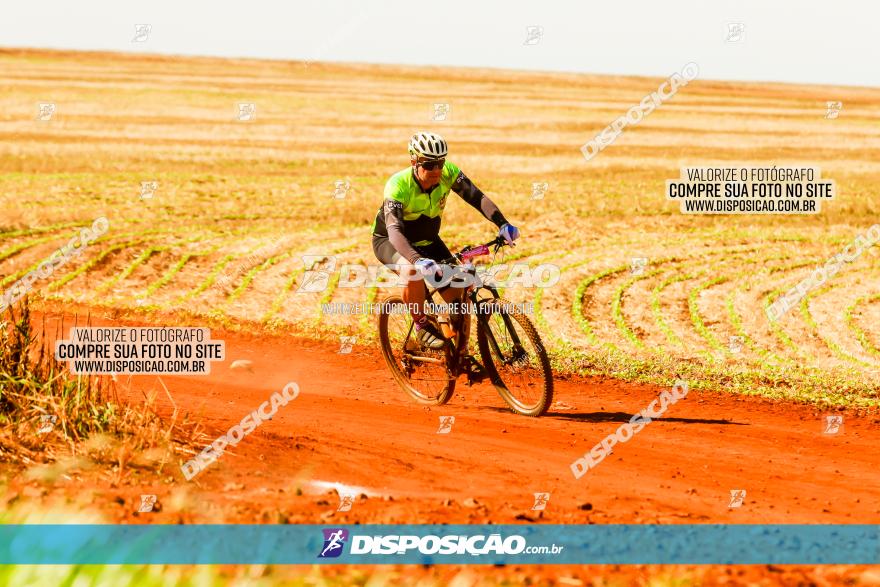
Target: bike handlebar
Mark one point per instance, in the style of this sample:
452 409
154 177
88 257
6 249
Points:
471 251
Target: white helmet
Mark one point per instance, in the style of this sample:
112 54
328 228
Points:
427 145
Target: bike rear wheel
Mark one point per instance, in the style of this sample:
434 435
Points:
423 373
514 357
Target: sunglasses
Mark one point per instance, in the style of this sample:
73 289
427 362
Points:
432 165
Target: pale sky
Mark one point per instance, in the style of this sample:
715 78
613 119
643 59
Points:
811 42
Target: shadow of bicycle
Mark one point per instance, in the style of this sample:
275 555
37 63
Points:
597 417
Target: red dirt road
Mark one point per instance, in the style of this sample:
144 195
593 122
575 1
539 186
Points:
352 425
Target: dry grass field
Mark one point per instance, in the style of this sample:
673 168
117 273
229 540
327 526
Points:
239 203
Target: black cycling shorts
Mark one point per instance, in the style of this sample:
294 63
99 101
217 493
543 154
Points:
388 255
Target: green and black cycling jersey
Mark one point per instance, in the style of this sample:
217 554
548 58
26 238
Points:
410 215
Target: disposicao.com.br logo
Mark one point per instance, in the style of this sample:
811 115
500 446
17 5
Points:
393 544
334 542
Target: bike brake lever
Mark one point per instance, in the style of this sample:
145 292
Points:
500 244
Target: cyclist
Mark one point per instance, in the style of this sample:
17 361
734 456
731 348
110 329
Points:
407 226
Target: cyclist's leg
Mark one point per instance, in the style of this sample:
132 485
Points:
438 251
414 291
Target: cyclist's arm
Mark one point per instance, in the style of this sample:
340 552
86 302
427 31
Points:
471 194
394 224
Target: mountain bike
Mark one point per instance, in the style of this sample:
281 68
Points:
511 355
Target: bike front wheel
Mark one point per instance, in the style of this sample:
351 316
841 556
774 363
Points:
422 372
514 357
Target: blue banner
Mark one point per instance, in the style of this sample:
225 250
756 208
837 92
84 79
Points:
440 544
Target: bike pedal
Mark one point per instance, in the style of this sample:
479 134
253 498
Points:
475 372
471 379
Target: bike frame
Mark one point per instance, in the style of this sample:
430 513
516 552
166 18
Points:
470 293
